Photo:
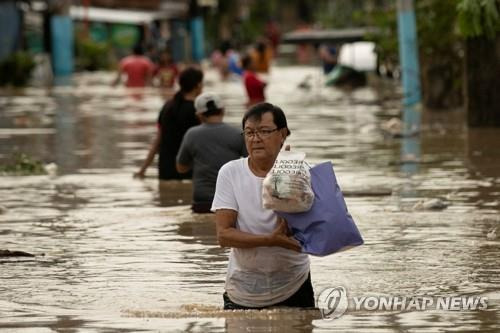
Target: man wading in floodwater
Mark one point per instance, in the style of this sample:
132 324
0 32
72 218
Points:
176 117
206 148
265 266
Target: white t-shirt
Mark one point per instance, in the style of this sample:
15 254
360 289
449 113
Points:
260 276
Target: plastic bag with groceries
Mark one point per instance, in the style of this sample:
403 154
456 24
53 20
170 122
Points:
287 187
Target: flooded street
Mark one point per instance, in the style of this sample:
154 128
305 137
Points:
114 253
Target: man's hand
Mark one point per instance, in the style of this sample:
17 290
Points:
280 237
140 174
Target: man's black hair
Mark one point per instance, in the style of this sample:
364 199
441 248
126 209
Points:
189 79
260 46
246 61
225 46
138 49
256 112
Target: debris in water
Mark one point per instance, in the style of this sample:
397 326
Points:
51 169
7 253
492 234
431 204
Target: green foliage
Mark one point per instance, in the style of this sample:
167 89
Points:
23 165
436 28
254 26
478 18
92 55
439 43
386 40
16 69
339 13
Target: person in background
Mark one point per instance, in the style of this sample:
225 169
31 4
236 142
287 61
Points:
253 85
328 55
138 68
262 56
176 117
273 34
266 267
166 72
227 60
206 148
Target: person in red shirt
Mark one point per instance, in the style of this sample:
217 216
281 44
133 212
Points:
253 85
137 67
167 71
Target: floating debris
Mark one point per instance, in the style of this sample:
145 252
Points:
51 169
430 204
393 126
492 234
7 253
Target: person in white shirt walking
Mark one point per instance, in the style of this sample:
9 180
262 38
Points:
265 266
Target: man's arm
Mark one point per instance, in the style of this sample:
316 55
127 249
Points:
151 155
184 158
149 74
117 80
229 236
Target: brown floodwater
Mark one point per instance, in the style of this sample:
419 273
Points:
118 254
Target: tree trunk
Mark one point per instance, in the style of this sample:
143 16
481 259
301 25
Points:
482 81
441 81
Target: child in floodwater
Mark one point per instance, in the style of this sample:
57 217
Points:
166 72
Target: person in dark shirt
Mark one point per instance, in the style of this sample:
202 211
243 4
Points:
176 117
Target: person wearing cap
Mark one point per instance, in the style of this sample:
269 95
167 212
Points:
206 148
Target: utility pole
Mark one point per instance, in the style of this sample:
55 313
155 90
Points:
197 31
408 58
408 52
61 34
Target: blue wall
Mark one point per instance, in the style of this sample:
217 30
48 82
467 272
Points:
10 23
197 36
62 44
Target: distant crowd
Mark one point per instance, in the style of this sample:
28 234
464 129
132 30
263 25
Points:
192 140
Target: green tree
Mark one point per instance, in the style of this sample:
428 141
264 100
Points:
479 23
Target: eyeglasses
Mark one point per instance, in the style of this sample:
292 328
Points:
262 133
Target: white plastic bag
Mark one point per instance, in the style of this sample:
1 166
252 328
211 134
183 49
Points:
287 187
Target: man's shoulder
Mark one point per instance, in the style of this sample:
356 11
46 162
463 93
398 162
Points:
231 129
195 130
125 60
233 167
146 61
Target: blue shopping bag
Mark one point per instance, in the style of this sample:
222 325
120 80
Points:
327 227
